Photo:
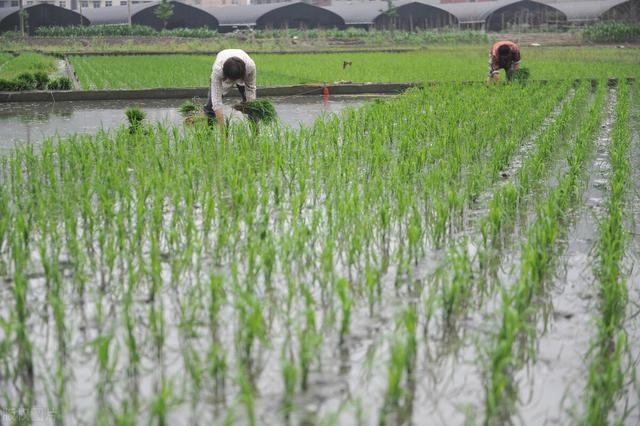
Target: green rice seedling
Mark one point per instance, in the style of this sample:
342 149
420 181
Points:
157 325
401 381
342 288
456 290
135 116
217 368
395 389
162 402
290 379
309 339
247 395
251 331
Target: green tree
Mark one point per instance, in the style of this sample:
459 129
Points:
163 12
392 14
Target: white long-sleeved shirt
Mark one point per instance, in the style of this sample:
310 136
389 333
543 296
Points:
220 86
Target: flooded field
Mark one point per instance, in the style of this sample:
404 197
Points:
33 122
454 255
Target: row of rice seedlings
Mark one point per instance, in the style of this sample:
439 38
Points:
145 71
480 164
515 341
456 277
371 286
607 371
515 194
459 281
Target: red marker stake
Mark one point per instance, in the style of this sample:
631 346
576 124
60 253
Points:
325 93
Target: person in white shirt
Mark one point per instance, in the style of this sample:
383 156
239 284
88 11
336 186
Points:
232 67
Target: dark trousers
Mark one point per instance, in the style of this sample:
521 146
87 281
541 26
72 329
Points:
509 73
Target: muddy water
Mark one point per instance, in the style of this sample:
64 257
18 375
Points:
553 387
33 122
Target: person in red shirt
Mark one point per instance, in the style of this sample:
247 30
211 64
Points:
504 54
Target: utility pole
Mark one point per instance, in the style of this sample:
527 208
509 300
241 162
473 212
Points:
129 10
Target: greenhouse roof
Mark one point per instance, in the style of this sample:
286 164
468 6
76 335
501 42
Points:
44 13
360 13
6 11
579 11
114 14
366 12
250 15
120 14
471 13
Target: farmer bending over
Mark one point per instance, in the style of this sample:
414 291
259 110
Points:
504 54
231 67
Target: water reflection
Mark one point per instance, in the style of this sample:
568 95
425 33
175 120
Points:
33 122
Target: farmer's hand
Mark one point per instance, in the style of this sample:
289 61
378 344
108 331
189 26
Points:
220 117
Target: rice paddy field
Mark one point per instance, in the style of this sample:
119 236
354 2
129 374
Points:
436 63
458 254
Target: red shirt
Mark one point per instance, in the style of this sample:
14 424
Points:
494 58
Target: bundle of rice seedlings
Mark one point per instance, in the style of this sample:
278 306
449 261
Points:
521 74
189 108
258 110
135 116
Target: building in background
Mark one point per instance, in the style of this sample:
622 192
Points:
217 3
313 2
72 4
